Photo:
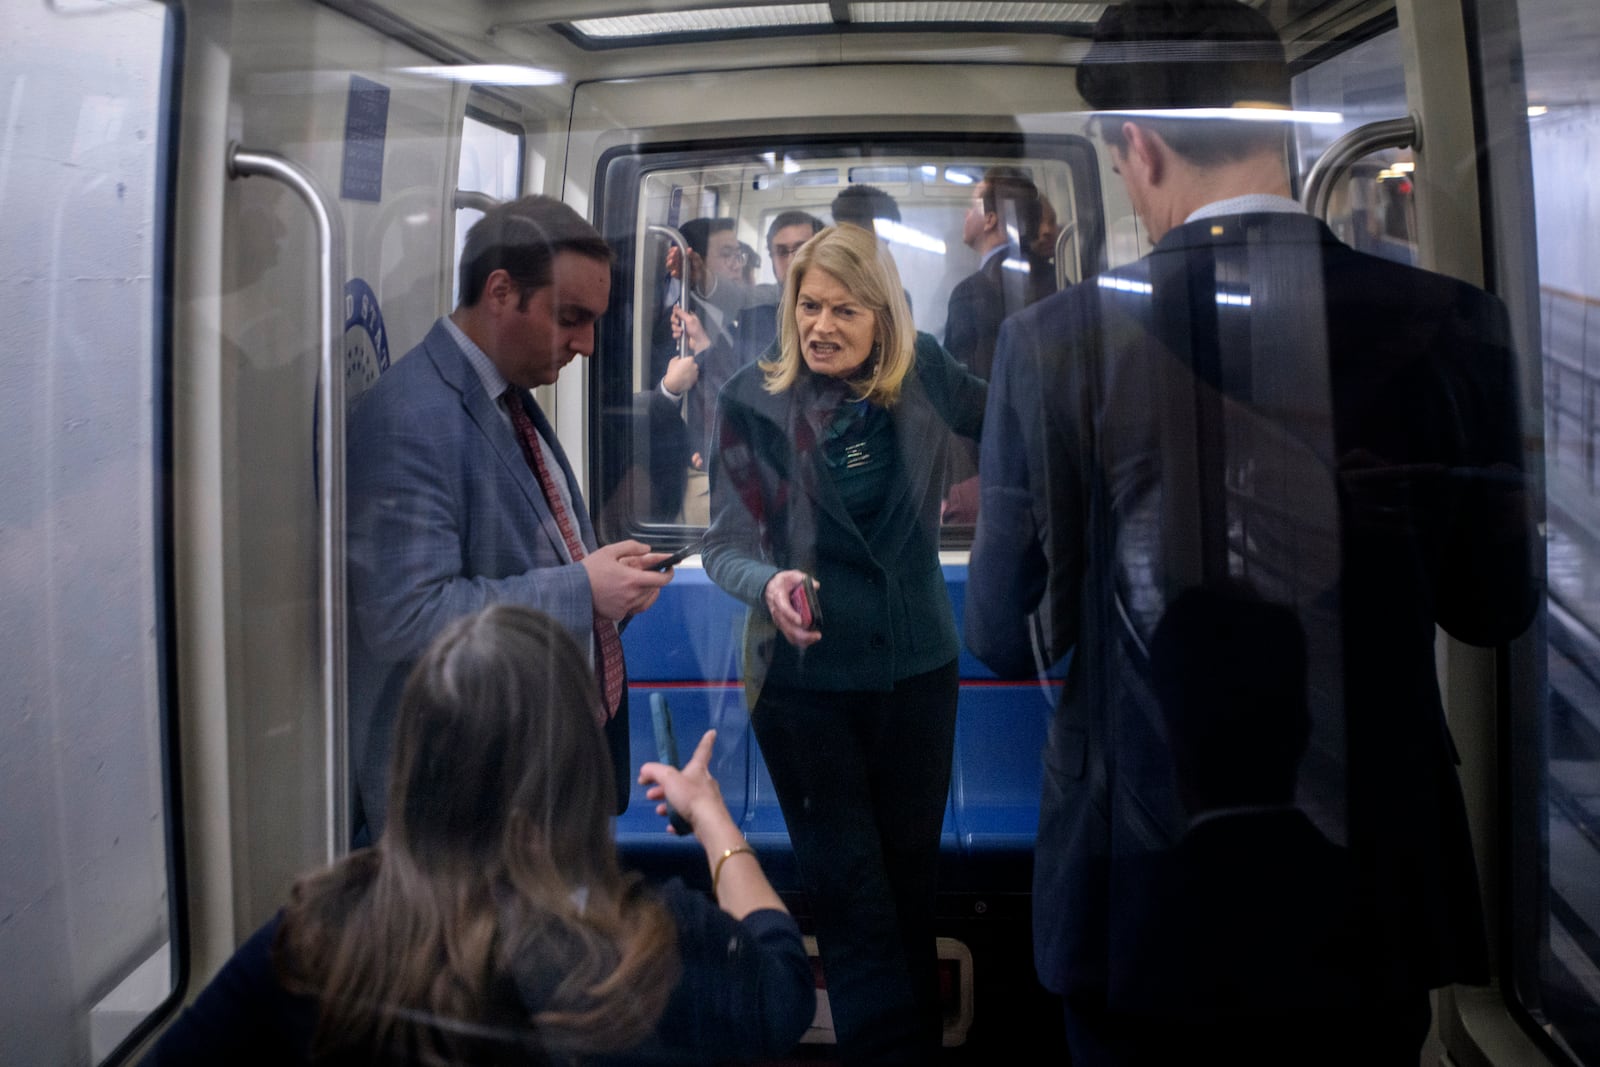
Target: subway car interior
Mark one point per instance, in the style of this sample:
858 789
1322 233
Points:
225 220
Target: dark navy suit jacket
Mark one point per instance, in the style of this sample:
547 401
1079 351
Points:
978 305
1255 399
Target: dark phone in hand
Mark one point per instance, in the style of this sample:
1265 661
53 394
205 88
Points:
803 598
667 752
677 557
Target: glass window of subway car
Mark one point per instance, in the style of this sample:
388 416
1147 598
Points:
916 190
92 925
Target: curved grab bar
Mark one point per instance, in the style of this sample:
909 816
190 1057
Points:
1331 165
243 163
677 238
469 198
1069 232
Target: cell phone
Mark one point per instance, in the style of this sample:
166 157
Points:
803 598
677 557
667 752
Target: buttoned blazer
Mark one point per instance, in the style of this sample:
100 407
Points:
1255 396
886 611
445 517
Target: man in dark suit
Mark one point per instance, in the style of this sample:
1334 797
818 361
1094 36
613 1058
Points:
459 493
1002 219
717 292
1255 400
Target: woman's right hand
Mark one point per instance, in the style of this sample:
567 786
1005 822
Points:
740 885
692 791
780 588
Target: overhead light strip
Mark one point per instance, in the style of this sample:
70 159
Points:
999 12
709 20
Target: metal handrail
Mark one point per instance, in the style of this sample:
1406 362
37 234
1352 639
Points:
470 198
1069 232
243 163
671 234
1387 133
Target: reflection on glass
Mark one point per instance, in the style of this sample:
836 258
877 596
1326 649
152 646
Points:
1564 137
85 924
917 203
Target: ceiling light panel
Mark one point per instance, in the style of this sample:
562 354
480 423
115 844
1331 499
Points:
710 20
950 11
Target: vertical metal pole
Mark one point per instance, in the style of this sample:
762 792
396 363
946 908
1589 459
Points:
330 443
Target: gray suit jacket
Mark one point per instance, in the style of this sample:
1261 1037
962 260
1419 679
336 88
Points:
445 517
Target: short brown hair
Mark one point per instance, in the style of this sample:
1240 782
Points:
523 237
1159 55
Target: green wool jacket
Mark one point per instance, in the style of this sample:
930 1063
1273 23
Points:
886 614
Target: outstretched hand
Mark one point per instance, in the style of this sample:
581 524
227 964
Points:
693 792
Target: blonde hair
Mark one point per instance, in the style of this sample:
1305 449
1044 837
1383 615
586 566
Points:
853 256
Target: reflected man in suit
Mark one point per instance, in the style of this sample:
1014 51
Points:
1241 935
459 493
1041 252
1252 399
1002 220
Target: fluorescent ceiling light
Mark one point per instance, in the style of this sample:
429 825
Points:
491 74
710 20
1535 110
948 11
1124 285
1245 114
901 234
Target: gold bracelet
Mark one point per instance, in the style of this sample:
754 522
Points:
727 853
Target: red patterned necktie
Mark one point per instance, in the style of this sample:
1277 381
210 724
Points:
605 631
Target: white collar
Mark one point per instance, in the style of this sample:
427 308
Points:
494 383
1249 204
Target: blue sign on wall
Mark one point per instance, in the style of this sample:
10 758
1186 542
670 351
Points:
366 342
366 125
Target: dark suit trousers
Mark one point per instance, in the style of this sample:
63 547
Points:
862 779
616 731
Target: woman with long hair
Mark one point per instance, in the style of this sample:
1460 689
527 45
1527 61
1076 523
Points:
491 922
826 480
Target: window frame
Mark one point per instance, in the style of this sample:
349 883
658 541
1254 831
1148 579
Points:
620 174
164 519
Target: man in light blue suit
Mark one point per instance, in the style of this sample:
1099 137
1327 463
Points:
459 493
